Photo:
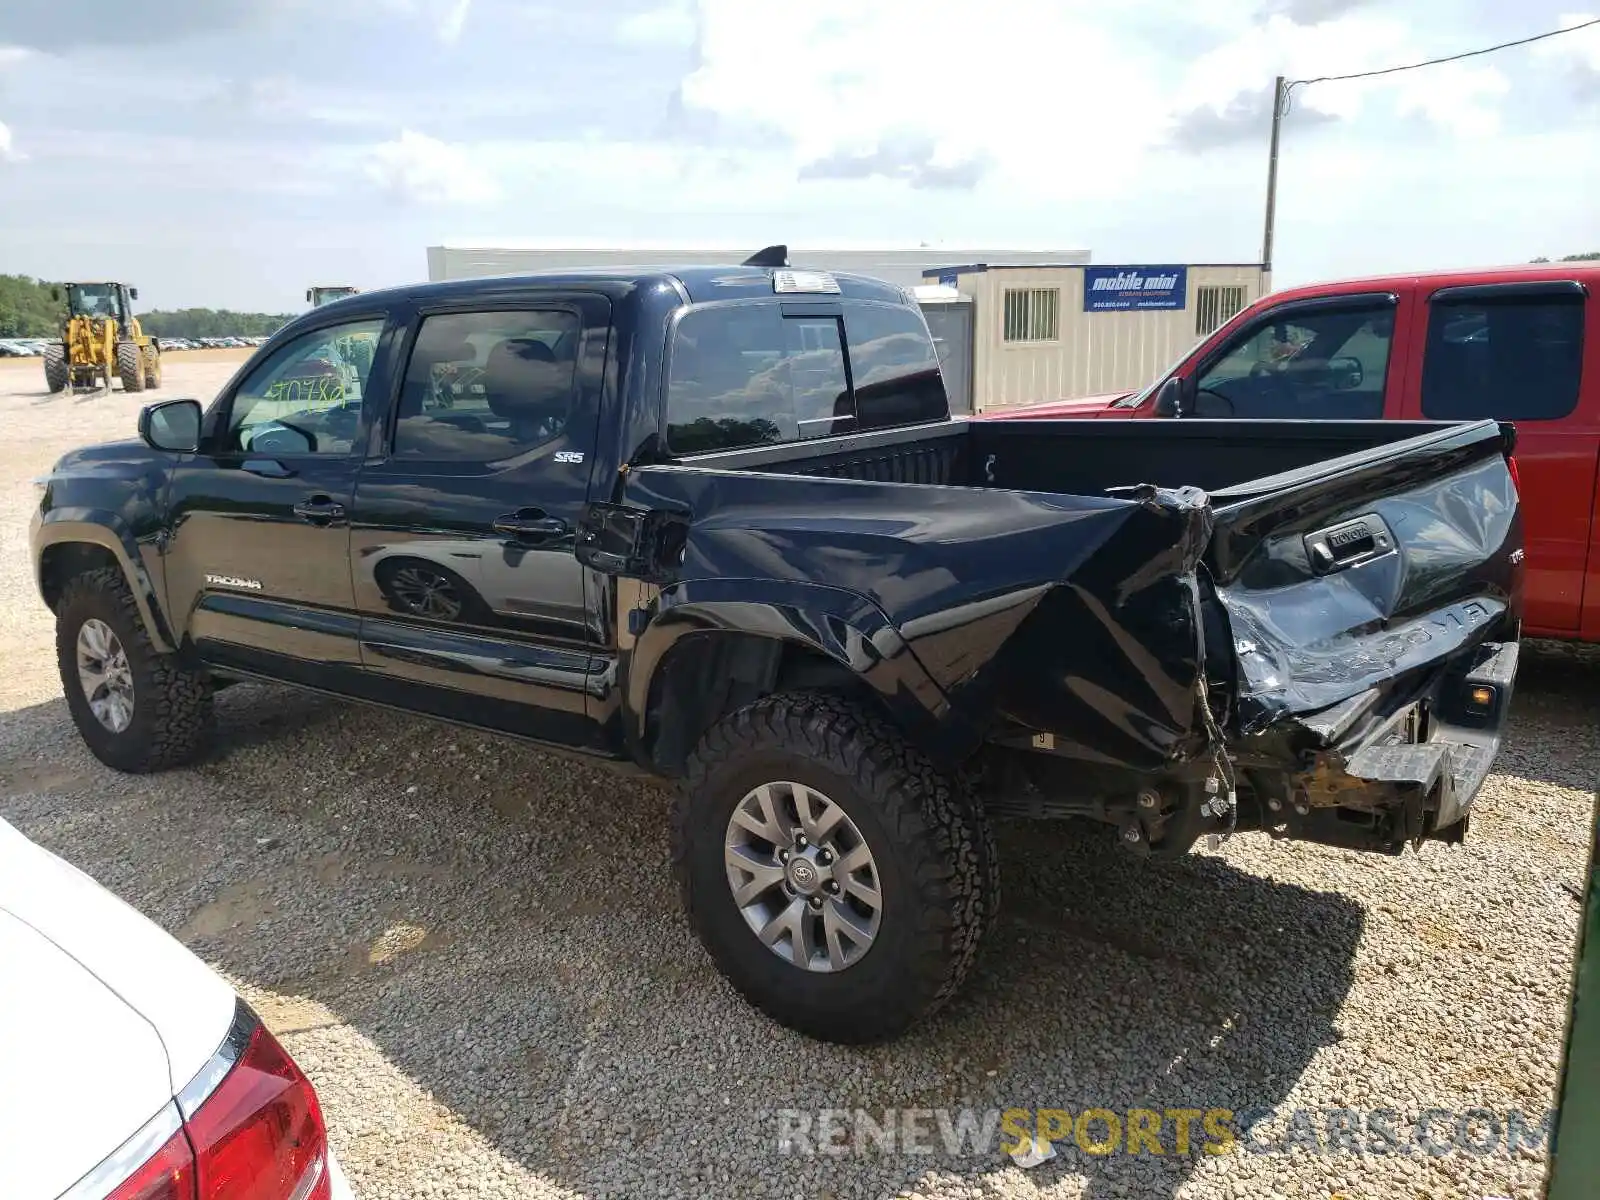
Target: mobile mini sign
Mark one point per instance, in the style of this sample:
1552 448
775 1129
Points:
1120 289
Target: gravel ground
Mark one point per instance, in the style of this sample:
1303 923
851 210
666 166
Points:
496 999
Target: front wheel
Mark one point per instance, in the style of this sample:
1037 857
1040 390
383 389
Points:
56 372
137 709
130 367
840 881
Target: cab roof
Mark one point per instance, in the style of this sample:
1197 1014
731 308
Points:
1584 270
700 283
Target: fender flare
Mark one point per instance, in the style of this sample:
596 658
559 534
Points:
102 528
843 626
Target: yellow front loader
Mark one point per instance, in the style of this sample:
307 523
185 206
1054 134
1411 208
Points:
101 339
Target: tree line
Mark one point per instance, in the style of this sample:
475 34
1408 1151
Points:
27 311
210 322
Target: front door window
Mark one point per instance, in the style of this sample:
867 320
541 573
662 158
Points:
1328 365
306 398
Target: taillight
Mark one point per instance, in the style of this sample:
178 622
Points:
259 1135
247 1127
1516 480
168 1174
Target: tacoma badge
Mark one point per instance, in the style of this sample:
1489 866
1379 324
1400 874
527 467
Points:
234 581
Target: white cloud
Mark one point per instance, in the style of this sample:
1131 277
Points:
670 25
1580 48
1018 98
1455 96
1059 97
447 18
452 20
8 151
416 167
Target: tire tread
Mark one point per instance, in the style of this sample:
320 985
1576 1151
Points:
130 366
178 727
937 828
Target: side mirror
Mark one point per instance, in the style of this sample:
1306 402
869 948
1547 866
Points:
173 425
133 293
1170 399
308 295
55 295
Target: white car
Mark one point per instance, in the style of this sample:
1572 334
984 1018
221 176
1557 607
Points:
131 1070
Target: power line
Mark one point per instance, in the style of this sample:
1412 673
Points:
1538 37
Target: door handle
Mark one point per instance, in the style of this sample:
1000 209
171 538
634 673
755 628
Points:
1348 544
529 525
319 510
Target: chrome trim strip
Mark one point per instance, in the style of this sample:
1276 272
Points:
106 1176
114 1168
198 1090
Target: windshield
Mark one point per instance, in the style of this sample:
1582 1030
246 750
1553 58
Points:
92 299
1139 397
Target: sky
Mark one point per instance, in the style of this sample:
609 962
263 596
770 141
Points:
233 152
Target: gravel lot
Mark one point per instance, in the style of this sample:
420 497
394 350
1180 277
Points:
475 951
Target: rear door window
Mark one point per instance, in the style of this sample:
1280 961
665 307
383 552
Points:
1513 355
487 386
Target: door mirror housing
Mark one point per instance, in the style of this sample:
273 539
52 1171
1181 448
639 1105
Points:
173 426
1170 399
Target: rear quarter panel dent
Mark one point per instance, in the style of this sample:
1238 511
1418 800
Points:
840 625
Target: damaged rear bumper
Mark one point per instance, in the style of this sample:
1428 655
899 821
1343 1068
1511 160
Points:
1412 776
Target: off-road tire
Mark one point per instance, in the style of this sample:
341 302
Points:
172 715
130 366
56 372
152 366
935 853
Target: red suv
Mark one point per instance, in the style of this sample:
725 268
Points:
1519 344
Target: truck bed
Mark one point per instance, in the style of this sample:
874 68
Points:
1152 595
1077 457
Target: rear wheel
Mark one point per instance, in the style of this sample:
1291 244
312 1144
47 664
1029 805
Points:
840 881
130 366
152 366
137 710
56 372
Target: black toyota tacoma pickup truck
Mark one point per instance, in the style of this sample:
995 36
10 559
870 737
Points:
717 525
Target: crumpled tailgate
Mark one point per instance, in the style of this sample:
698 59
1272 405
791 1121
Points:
1371 602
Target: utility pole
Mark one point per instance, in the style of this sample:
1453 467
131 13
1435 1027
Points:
1278 89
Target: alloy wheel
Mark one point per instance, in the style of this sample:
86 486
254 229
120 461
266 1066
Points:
803 876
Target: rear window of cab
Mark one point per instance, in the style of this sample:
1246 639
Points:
750 374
